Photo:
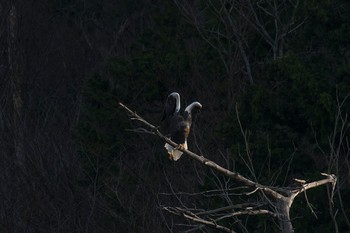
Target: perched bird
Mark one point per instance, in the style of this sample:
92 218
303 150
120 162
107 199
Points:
179 124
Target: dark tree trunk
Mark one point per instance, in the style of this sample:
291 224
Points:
15 61
283 207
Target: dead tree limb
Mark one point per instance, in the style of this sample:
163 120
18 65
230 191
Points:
193 217
280 199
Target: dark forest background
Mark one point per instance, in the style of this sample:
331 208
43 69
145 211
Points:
68 162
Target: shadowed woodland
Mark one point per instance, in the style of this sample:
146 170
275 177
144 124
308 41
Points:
273 79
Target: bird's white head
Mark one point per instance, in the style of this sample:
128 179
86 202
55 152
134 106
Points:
177 97
193 105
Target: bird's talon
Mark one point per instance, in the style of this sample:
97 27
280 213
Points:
171 156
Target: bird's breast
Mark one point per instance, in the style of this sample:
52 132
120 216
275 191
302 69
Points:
187 131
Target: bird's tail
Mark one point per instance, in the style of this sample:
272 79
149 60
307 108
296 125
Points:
174 154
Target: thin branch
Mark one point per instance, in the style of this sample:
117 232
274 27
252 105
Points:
189 215
213 193
309 205
244 134
248 212
230 207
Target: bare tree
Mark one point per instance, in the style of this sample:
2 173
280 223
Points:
110 35
16 68
273 201
336 156
228 27
223 30
274 20
39 168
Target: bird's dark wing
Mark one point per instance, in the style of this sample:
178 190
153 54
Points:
171 110
170 106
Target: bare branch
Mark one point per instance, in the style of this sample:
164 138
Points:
248 212
189 215
234 175
330 179
280 203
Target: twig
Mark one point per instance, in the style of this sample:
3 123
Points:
191 216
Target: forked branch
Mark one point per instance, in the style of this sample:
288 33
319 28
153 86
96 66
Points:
280 199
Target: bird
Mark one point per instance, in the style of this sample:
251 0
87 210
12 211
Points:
179 124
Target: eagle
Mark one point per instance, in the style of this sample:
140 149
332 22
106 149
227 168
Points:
179 123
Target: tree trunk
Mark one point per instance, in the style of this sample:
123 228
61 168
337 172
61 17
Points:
283 207
16 67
